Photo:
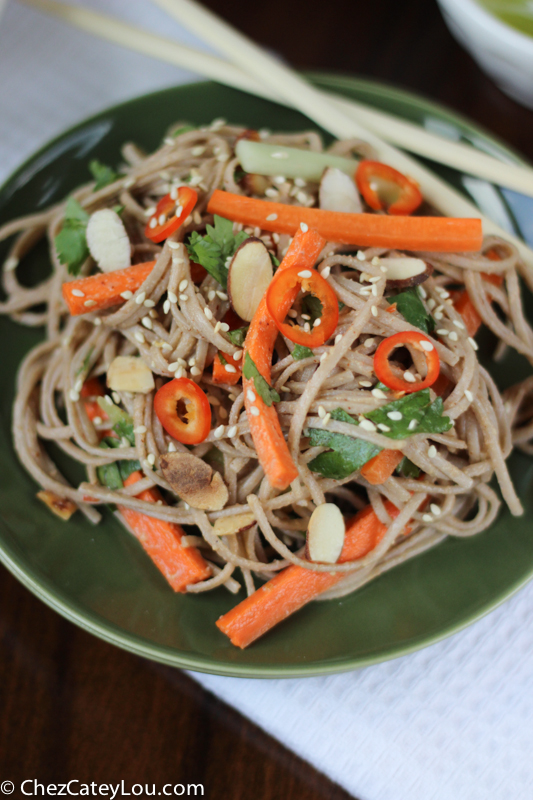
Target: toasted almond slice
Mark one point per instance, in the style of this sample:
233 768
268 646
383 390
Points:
226 526
403 272
194 481
338 192
325 534
62 507
250 272
108 241
130 374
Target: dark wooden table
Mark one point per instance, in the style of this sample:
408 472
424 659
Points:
73 707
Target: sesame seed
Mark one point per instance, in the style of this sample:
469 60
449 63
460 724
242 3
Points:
97 321
208 313
302 197
272 217
321 412
171 447
180 373
251 396
299 182
230 368
379 393
431 303
369 342
396 416
89 303
453 336
279 155
469 396
361 256
367 425
304 227
383 427
374 310
182 362
271 192
139 336
279 179
305 316
338 337
166 306
232 431
149 304
152 223
140 298
211 294
150 458
409 377
74 396
427 518
307 327
458 324
78 385
171 296
305 273
439 315
174 245
442 332
364 276
127 295
423 293
173 366
162 219
413 424
147 322
375 290
221 295
432 451
184 298
444 294
375 261
435 509
427 346
139 429
326 272
217 327
383 269
195 371
78 293
326 420
97 420
198 151
224 327
254 411
473 343
366 384
116 397
317 323
174 193
108 400
237 355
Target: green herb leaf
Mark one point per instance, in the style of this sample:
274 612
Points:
109 474
222 359
348 455
411 307
121 422
127 467
415 406
102 174
70 242
183 129
265 392
299 352
237 336
312 306
407 468
342 416
118 209
213 250
275 261
85 366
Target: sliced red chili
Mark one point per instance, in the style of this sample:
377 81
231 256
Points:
394 379
170 214
189 424
282 293
384 188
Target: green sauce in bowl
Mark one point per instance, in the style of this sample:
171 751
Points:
516 13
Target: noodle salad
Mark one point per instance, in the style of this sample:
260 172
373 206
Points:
263 352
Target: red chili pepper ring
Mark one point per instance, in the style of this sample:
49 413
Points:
371 176
170 214
418 341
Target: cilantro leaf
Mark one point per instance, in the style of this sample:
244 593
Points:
214 248
410 306
182 129
102 174
71 242
299 352
415 406
275 261
113 475
85 366
342 416
312 306
118 209
222 359
237 336
121 421
265 392
128 466
347 455
407 468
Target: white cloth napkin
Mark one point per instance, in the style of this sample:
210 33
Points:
451 722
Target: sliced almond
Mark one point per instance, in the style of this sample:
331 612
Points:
194 481
108 241
325 534
62 507
338 192
227 526
403 272
130 374
250 273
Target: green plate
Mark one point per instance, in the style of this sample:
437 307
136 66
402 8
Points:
99 578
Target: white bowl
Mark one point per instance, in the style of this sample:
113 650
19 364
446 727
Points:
503 52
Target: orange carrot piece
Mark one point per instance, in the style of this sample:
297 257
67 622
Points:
220 373
295 586
442 234
161 540
269 441
468 311
104 289
380 468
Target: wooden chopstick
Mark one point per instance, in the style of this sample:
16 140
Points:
405 134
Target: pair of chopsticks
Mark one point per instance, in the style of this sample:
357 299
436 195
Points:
251 69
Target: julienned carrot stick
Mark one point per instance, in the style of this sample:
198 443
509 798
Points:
440 234
161 540
296 586
380 468
269 441
464 305
221 374
104 289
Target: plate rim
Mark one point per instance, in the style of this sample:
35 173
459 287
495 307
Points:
107 631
